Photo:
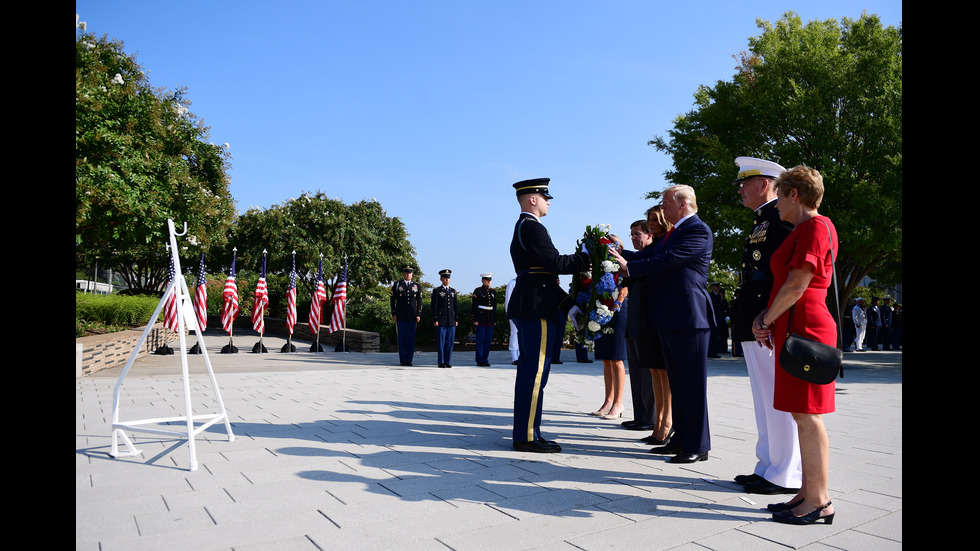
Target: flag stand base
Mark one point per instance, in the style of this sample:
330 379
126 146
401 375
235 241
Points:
259 348
193 424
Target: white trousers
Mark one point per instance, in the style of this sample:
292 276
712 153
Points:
859 338
512 344
778 447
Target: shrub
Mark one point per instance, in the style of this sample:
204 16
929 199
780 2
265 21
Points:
107 313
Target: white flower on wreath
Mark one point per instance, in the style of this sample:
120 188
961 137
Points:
609 266
604 228
594 326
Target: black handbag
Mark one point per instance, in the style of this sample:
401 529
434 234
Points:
807 359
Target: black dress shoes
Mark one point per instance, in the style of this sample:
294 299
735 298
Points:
639 426
685 457
744 479
763 486
669 449
538 446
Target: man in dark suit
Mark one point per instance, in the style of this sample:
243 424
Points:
638 346
445 306
679 308
538 307
406 310
778 469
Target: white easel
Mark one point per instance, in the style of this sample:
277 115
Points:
185 319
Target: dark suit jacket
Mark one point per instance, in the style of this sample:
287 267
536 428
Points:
537 262
677 277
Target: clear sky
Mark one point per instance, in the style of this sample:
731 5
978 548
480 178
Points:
436 107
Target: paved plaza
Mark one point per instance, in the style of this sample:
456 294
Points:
349 451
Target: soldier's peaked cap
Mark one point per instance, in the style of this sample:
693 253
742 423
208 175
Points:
749 167
535 185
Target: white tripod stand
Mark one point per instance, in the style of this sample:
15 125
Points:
185 319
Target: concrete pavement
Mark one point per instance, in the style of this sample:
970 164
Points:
350 451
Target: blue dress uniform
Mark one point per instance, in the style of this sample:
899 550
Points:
406 308
444 315
538 307
484 318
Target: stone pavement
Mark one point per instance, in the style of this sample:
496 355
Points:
348 451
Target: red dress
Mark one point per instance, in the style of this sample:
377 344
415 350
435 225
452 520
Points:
807 243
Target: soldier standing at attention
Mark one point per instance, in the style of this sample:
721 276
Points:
538 307
406 311
484 318
444 308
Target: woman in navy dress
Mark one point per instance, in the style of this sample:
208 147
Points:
611 349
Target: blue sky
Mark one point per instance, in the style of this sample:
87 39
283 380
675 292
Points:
435 108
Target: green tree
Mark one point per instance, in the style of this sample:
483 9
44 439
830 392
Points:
141 157
826 95
375 245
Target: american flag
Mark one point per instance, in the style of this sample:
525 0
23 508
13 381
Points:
338 319
230 296
261 301
291 299
170 310
319 297
201 297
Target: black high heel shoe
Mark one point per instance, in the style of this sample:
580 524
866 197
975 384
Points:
780 507
786 517
659 442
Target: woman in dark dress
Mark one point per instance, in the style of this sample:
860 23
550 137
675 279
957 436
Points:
611 349
802 271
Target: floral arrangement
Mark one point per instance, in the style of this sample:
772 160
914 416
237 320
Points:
596 291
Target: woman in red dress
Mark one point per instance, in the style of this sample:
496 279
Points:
802 270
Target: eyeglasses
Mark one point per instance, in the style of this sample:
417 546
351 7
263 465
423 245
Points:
747 180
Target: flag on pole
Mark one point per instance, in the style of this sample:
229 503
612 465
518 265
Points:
261 301
230 296
291 299
338 320
319 297
201 298
170 310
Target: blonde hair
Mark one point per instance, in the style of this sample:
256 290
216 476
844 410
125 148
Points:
684 193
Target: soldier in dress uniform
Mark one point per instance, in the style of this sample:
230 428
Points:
778 469
444 309
538 307
484 318
406 311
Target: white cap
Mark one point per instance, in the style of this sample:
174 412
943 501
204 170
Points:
751 166
487 275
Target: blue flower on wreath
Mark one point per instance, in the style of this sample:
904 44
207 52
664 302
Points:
583 297
606 284
600 318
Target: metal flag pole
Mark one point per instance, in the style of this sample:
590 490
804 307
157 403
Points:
259 347
230 347
185 319
316 338
291 308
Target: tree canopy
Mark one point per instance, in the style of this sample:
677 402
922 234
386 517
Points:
823 94
375 245
141 157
